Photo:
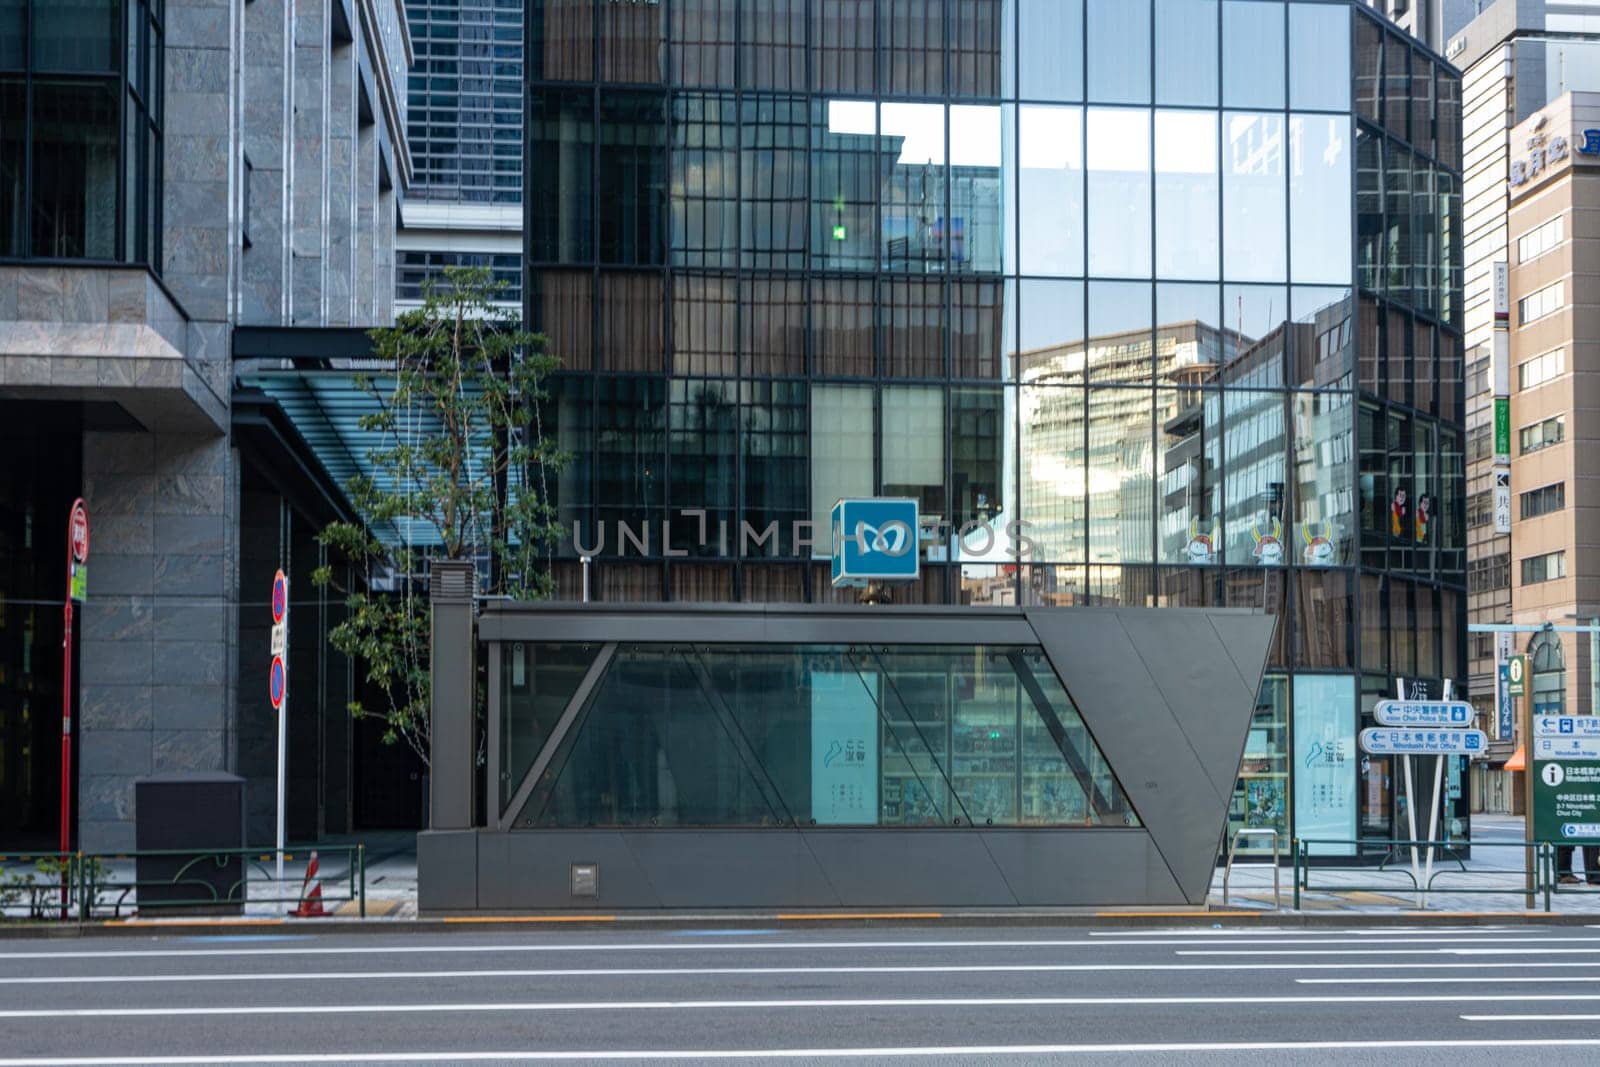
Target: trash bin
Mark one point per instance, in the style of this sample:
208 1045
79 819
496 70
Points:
200 811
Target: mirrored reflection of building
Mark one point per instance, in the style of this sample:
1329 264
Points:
1164 292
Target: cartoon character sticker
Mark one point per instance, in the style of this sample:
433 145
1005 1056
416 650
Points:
1319 550
1397 513
1269 546
1424 520
1201 548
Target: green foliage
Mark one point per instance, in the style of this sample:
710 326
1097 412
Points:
460 469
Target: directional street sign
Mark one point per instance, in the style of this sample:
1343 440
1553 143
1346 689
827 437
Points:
1566 726
1382 741
1436 713
1571 747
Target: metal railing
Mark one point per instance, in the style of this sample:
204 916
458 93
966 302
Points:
1233 849
85 886
1347 877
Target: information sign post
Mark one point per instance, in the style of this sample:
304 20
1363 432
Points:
278 690
1564 773
1436 728
77 590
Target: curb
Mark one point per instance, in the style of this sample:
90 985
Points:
654 921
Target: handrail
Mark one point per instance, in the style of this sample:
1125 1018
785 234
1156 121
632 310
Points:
1233 850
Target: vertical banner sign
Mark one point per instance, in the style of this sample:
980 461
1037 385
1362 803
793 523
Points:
77 590
1325 757
278 691
1517 676
844 748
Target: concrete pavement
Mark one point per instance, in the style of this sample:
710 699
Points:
1368 995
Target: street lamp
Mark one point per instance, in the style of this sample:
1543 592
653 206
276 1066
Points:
1594 659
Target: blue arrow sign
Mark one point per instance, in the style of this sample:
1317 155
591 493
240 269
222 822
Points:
1384 741
1446 713
1566 726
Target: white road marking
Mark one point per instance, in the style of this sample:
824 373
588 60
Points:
1493 980
919 1052
954 968
766 1004
1365 931
710 946
1529 1018
1388 951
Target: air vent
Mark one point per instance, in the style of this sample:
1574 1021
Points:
452 581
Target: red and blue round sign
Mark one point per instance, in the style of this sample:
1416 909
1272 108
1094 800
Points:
277 682
280 597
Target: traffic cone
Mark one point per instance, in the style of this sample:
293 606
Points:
310 894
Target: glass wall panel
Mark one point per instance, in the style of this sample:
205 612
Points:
773 441
843 48
536 682
1121 476
1188 343
630 460
13 164
561 303
704 325
1402 629
1397 221
772 182
912 325
844 184
699 583
1319 50
1254 349
1325 476
1324 619
773 50
763 583
975 239
983 329
842 311
74 170
705 172
1427 614
1187 192
1124 587
1119 344
1255 480
1396 85
1254 241
13 34
633 43
1319 198
913 443
1422 104
631 336
843 452
1371 250
1190 507
1052 344
1374 624
703 42
632 178
1186 53
1054 585
1322 338
1118 50
982 450
911 34
1369 67
1050 50
772 325
1251 586
75 35
562 40
1050 176
981 52
567 416
1118 158
913 140
631 583
1261 797
1051 427
1252 54
1325 760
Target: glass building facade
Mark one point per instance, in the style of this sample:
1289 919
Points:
80 130
1145 302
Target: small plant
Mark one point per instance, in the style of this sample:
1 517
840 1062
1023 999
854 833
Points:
461 471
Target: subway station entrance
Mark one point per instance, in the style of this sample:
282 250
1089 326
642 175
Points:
814 757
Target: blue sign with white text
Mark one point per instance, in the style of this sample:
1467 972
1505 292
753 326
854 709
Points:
875 538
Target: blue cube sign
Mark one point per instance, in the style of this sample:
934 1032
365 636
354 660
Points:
874 539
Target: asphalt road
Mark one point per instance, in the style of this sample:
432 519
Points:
953 993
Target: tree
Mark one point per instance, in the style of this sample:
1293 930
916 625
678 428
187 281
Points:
460 470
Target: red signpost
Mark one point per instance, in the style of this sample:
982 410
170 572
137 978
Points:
77 588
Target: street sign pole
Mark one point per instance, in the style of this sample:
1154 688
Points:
1433 814
1525 708
77 558
278 690
1411 799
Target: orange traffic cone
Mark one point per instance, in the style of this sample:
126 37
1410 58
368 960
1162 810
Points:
310 894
